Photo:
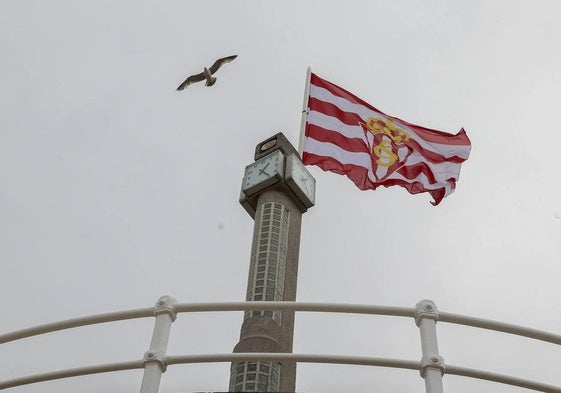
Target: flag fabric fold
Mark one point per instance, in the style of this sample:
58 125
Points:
348 136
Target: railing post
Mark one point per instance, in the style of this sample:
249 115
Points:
432 364
154 364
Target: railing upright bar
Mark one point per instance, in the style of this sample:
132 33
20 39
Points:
432 364
154 359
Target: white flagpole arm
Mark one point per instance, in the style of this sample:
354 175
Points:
304 111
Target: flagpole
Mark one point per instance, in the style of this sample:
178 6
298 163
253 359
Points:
304 112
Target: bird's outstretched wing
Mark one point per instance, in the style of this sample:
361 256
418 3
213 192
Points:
218 63
192 79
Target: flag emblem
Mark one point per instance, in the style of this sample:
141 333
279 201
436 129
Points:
346 135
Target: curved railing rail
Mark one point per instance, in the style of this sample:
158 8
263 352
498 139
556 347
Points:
155 361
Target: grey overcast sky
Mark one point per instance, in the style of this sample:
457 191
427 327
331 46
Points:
116 189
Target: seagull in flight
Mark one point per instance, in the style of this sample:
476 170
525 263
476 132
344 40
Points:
207 73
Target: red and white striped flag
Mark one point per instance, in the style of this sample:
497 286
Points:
348 136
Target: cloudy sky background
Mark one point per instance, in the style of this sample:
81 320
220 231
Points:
115 189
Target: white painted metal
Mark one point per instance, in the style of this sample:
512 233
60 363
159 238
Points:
304 111
297 306
505 379
432 365
500 327
154 360
77 322
301 358
73 372
363 361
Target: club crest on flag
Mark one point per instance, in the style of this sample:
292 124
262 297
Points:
348 136
387 144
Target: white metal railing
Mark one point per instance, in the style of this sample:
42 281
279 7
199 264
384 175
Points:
155 361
